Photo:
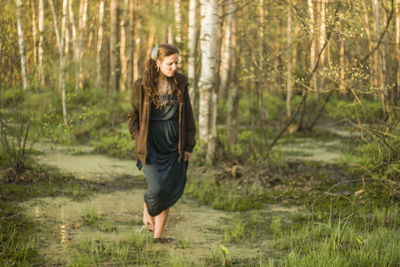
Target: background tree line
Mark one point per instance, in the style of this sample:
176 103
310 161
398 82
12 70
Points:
300 51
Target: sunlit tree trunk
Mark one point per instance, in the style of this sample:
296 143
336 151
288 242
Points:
21 45
397 89
60 44
233 95
40 44
226 56
313 83
99 44
380 58
369 37
322 38
114 48
342 86
124 60
178 21
192 40
136 59
35 41
289 62
75 43
131 42
207 81
83 15
261 33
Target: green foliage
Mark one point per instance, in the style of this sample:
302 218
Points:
116 144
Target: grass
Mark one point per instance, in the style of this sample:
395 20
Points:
135 250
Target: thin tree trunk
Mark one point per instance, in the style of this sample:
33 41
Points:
368 32
397 88
226 57
40 44
83 14
136 58
75 45
21 45
178 22
380 58
63 62
207 82
322 38
233 96
35 41
124 60
192 40
313 84
342 87
99 45
289 62
131 42
263 112
114 49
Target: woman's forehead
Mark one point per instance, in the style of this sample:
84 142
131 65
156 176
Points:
171 58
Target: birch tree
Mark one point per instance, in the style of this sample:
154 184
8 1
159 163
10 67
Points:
21 45
131 42
124 60
60 44
313 46
115 70
35 41
83 14
40 44
99 44
178 21
207 81
396 92
192 40
226 55
75 44
289 62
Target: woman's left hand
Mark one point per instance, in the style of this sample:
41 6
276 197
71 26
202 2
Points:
187 155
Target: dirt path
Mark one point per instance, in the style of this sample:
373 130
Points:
198 230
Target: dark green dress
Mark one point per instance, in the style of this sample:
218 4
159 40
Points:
165 175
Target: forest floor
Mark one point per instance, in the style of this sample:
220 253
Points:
114 215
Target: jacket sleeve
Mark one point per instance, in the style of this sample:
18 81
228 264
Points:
190 124
133 119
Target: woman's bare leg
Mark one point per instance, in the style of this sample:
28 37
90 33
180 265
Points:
160 220
147 219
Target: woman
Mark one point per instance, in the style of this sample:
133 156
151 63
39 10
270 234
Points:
163 126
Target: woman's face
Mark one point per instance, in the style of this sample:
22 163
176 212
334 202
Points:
169 65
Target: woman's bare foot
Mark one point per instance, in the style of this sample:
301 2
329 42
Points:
160 220
147 219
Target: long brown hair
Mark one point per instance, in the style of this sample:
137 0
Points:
150 74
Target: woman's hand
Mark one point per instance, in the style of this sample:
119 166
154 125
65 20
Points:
187 155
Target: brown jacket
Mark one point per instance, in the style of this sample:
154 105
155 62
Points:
139 118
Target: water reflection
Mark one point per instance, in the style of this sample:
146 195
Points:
63 226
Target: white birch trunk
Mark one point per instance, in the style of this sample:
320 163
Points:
322 39
35 41
114 49
21 45
192 40
124 61
178 21
75 44
136 57
131 42
83 10
233 98
226 57
40 44
381 60
313 84
289 63
397 49
99 44
60 44
207 82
